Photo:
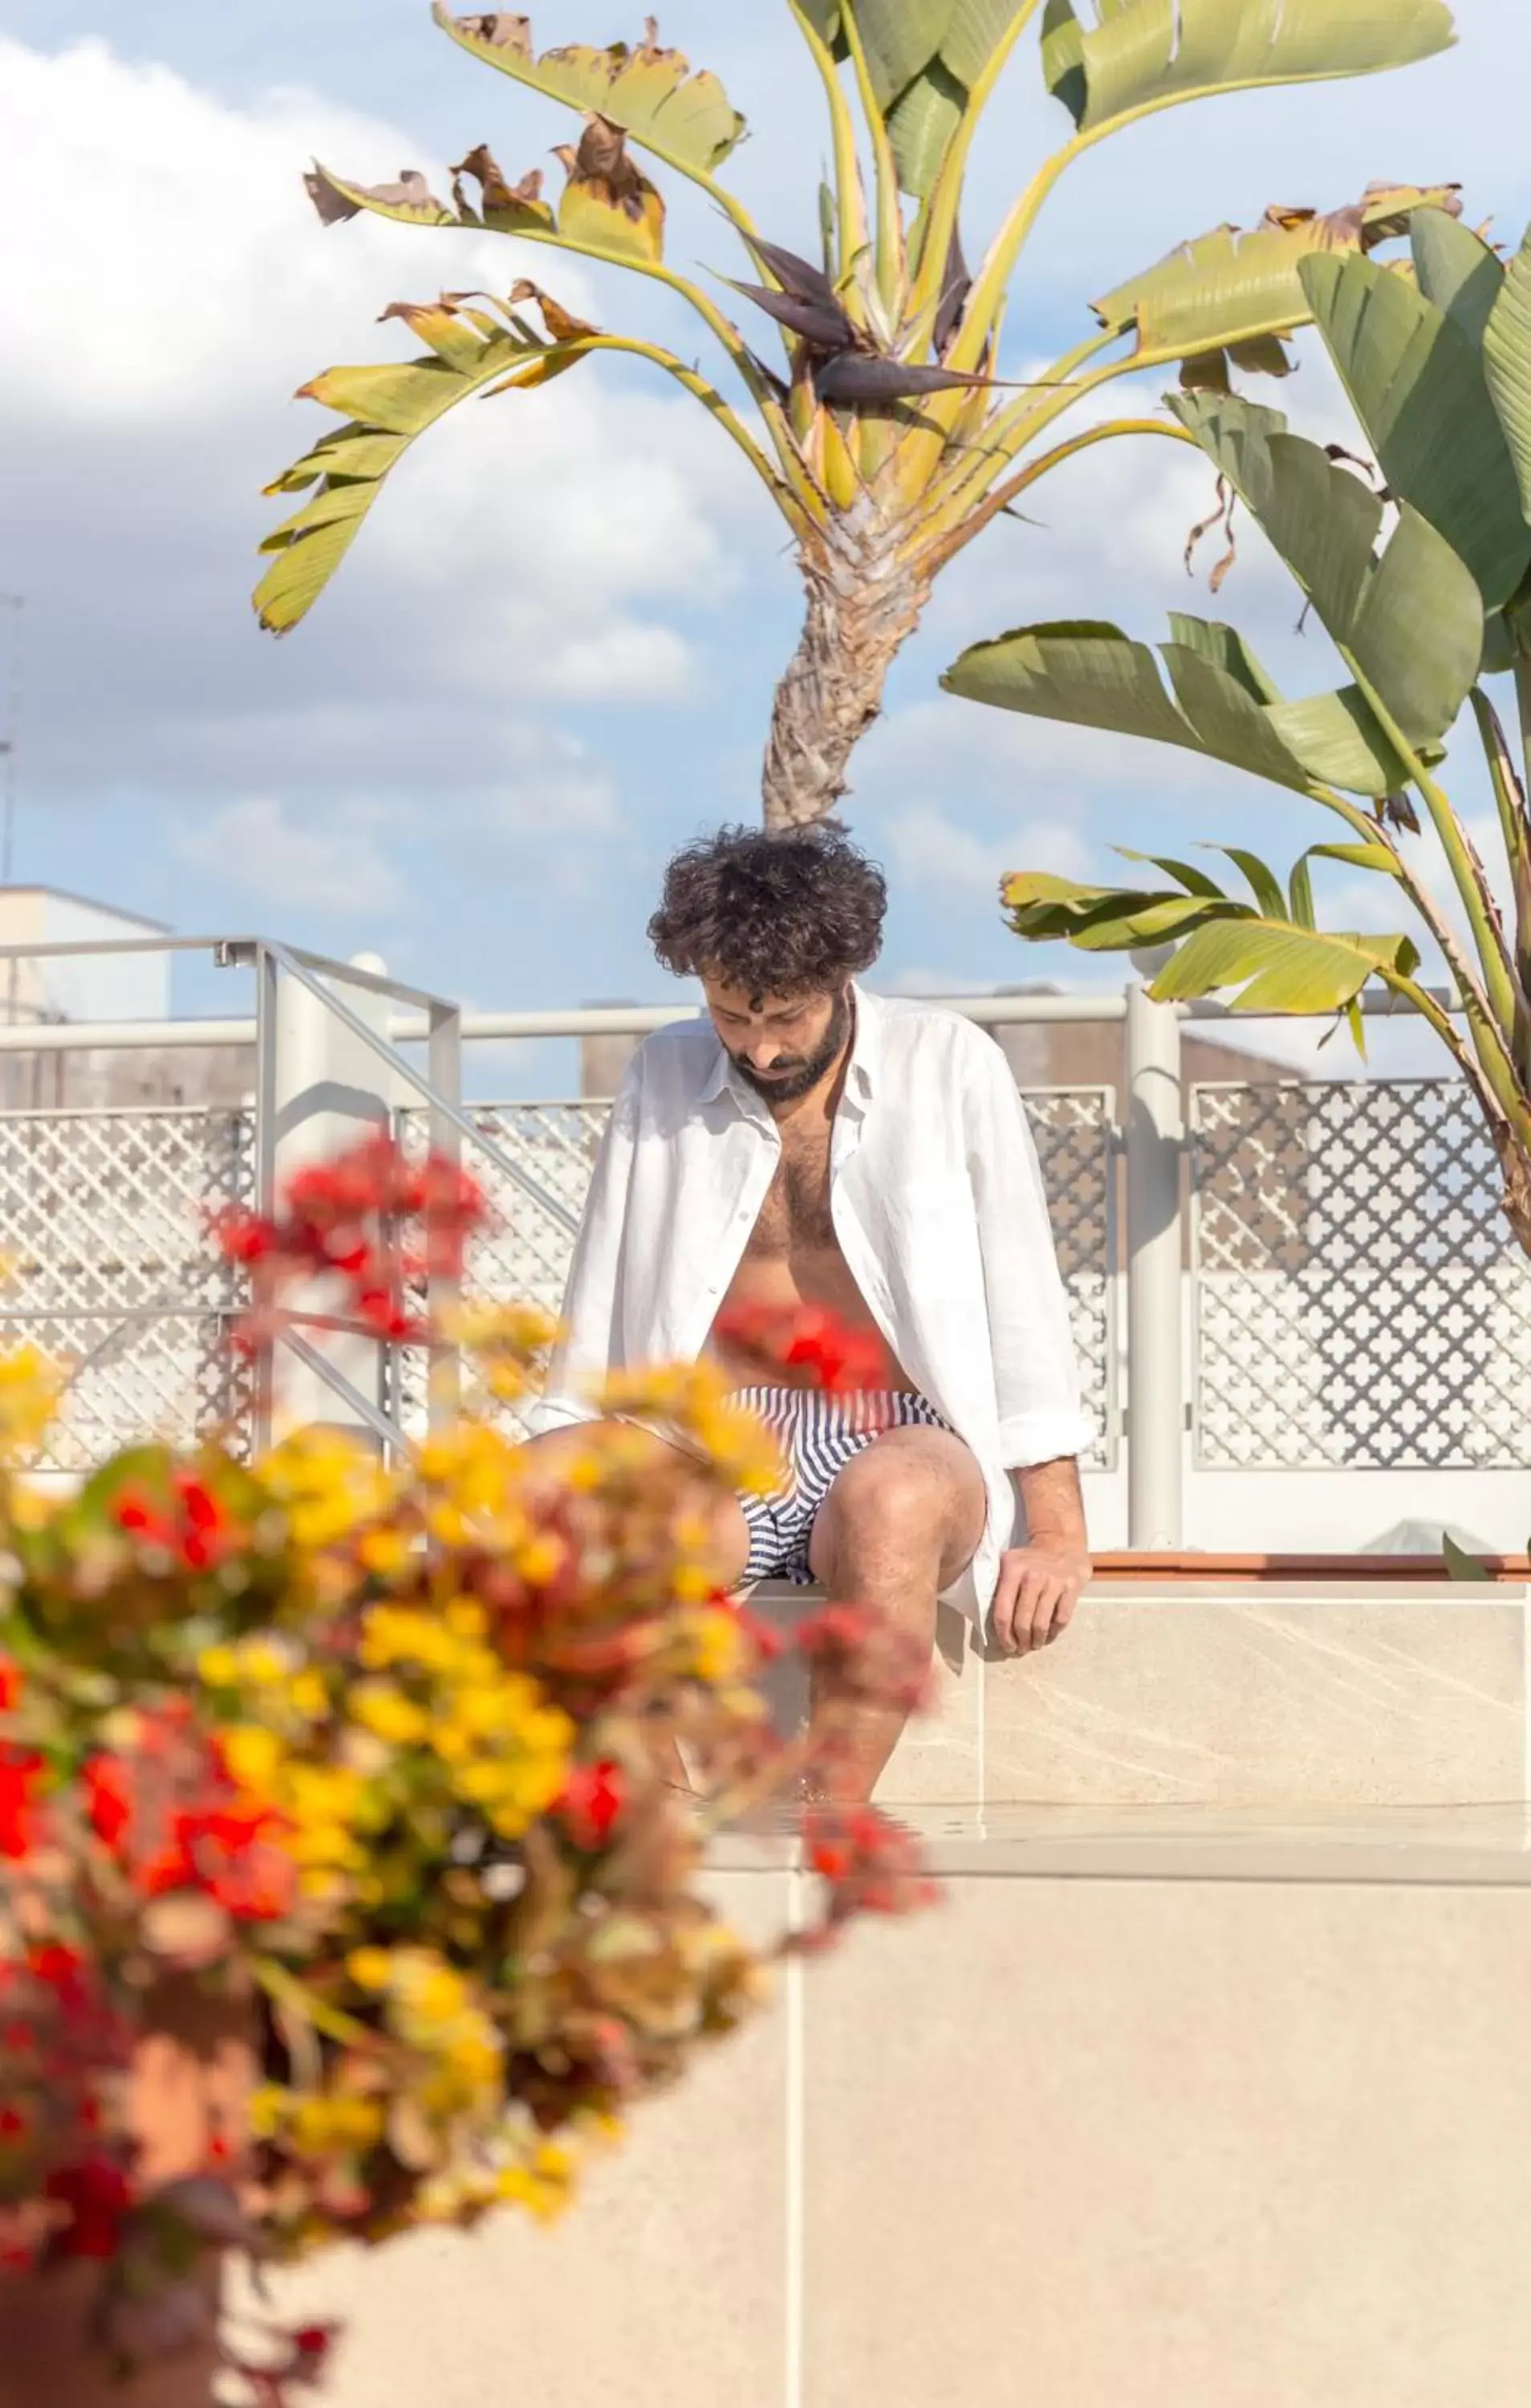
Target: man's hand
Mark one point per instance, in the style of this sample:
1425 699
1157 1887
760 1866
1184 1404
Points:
1039 1587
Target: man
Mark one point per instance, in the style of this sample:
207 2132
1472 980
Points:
808 1143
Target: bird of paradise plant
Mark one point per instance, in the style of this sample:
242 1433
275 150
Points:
885 437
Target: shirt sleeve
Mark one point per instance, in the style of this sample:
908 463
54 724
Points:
589 1347
1036 1367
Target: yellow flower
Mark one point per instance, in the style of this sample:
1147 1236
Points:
320 2125
543 2181
385 1551
718 1649
263 1663
392 1634
268 2109
387 1713
30 1389
308 1696
219 1667
255 1756
540 1560
370 1969
330 1483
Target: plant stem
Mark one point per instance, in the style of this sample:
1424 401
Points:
851 212
945 204
890 262
1032 473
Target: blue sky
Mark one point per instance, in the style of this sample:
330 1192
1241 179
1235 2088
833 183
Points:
551 655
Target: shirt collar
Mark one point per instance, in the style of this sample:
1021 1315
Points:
861 1076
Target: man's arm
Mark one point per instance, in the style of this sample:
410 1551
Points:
1042 1426
589 1347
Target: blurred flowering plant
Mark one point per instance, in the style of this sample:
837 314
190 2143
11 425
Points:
384 1758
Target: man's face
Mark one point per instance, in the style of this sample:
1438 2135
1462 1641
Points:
782 1045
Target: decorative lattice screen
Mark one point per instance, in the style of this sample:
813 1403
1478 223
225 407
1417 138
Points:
1358 1298
103 1230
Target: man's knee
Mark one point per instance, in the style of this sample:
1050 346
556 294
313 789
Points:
915 1499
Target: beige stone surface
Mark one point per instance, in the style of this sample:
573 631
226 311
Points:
1173 2144
1248 1699
665 2285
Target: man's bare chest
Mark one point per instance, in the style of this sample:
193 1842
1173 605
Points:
796 1216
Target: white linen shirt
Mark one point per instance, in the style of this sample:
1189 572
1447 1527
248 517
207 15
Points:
936 1199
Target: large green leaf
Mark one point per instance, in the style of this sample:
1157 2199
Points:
1090 675
1507 361
1230 285
1411 624
1147 53
1415 378
684 118
1456 270
1277 966
387 409
1277 959
924 57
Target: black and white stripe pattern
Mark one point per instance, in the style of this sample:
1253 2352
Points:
818 1435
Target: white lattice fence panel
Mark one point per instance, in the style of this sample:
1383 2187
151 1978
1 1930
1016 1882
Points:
103 1228
525 1254
1075 1134
1358 1298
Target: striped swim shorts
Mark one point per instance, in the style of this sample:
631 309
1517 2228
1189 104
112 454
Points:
818 1435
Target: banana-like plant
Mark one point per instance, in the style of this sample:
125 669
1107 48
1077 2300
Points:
1424 584
885 438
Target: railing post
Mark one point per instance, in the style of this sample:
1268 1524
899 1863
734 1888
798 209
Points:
325 1090
1155 1275
445 1066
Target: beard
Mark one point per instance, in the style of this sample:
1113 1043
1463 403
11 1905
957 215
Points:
795 1076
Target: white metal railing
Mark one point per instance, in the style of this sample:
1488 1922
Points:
336 1047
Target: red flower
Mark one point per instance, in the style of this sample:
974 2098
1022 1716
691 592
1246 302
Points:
108 1797
58 1967
591 1801
140 1518
98 2196
808 1337
242 1237
19 1776
872 1865
11 1684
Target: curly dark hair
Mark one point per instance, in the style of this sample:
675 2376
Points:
787 915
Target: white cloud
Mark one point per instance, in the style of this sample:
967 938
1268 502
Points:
148 288
339 869
936 854
173 290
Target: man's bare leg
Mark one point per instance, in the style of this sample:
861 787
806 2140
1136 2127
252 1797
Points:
729 1543
901 1522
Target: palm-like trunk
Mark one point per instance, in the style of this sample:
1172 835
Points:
863 604
1516 1162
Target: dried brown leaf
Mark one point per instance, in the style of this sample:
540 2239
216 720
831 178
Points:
502 30
411 191
600 162
561 324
